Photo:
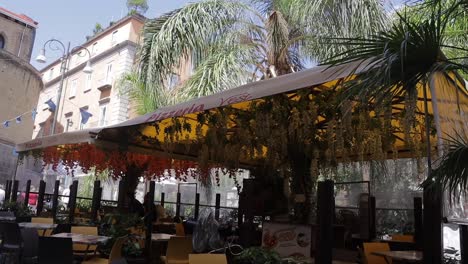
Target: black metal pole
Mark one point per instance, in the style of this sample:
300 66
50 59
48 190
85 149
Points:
217 206
96 200
149 221
325 214
418 222
26 193
464 243
40 197
14 191
197 205
162 199
72 201
177 214
432 226
55 199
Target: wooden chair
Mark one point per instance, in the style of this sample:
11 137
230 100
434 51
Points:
207 258
374 247
402 238
84 250
115 254
43 220
178 250
180 230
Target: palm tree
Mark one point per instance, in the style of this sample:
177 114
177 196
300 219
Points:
404 59
230 43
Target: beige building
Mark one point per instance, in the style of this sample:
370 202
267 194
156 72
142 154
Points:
20 85
112 54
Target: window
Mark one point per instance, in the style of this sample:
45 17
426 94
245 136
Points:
103 115
69 124
109 73
114 37
94 49
73 86
51 73
173 81
2 42
88 82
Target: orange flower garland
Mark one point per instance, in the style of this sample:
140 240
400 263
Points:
87 156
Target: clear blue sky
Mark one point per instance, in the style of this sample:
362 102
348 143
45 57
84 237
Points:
72 20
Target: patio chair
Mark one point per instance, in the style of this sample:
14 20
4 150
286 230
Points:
12 241
30 245
178 250
115 254
402 238
180 230
371 247
54 250
43 220
207 258
84 250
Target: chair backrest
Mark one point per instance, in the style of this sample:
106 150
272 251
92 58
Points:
84 230
180 230
30 242
54 250
42 220
11 234
207 258
62 228
116 251
402 238
374 247
179 248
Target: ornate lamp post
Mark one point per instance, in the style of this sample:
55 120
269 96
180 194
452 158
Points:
57 45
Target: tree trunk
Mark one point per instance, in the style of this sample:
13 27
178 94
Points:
302 184
130 183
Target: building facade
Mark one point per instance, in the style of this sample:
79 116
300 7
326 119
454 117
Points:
20 85
112 54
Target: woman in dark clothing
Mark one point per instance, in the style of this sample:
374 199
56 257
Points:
150 210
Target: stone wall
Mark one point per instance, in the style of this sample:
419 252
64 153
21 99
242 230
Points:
19 38
20 85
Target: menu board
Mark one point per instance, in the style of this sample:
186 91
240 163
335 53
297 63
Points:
286 239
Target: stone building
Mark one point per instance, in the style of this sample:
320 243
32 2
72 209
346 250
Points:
20 85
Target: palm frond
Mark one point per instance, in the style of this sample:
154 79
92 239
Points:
324 19
227 67
403 56
175 35
452 172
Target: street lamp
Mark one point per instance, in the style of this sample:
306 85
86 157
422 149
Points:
57 45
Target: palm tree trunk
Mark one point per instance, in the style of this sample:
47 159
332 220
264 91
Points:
301 184
435 110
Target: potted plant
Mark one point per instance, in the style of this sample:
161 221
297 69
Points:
23 213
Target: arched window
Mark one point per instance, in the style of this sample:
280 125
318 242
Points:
2 42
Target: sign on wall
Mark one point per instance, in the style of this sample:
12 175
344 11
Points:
287 239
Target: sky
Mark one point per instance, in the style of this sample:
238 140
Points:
72 20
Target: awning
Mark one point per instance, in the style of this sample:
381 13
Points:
68 138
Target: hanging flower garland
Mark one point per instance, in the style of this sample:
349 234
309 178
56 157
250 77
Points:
86 157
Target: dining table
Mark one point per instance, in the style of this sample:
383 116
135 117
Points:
83 239
38 226
402 256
